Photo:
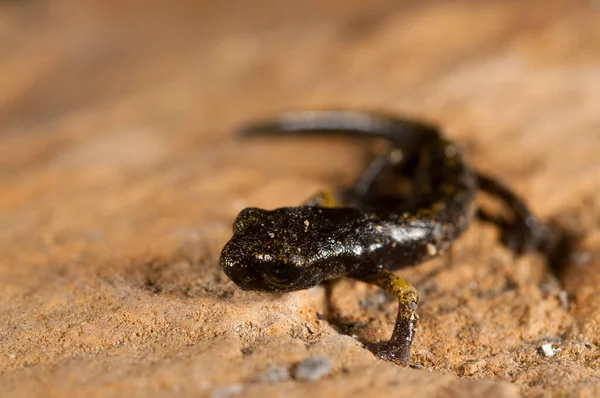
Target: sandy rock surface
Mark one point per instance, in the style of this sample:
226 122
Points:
120 176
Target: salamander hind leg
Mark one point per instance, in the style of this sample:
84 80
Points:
397 348
525 232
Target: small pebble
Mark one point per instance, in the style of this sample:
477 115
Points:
312 368
275 374
548 350
229 391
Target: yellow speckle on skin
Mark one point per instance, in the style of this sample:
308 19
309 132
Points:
438 207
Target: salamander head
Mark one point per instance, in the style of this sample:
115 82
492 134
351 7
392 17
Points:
281 250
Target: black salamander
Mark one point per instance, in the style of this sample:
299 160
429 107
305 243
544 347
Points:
367 235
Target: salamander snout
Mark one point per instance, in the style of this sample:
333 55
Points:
252 270
277 251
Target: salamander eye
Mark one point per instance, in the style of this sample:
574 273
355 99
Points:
279 273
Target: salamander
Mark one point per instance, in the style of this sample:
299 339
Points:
367 232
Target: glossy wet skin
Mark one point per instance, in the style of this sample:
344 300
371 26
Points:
364 237
296 248
287 249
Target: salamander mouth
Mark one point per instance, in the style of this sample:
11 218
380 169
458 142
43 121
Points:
253 279
262 284
277 286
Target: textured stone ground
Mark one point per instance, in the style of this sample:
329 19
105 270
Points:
120 177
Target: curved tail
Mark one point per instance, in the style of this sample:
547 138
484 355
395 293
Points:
353 123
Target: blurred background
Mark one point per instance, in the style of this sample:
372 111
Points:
91 91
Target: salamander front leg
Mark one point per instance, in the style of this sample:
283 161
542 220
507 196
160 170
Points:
397 348
321 199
